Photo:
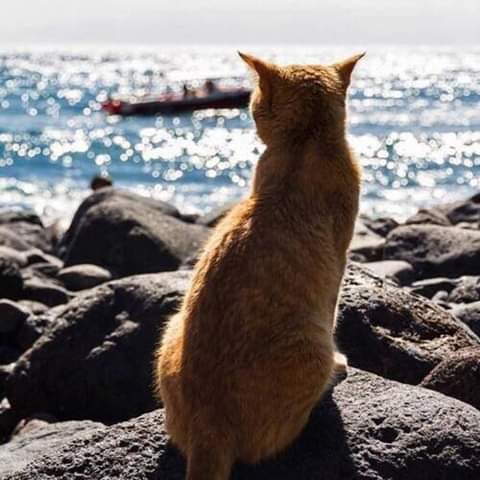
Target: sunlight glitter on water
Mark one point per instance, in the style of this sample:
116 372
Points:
414 122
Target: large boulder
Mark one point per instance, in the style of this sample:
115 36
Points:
94 358
435 251
458 376
128 234
387 330
368 428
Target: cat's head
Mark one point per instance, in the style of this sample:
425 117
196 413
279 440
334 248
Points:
297 101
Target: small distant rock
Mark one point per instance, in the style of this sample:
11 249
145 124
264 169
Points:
429 217
467 290
11 281
381 226
366 244
469 314
36 308
19 258
429 287
12 316
80 277
212 218
402 272
458 376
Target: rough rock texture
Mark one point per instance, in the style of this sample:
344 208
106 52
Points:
402 272
435 251
430 286
467 290
11 281
386 330
24 230
80 277
368 428
94 360
366 244
469 314
127 234
458 376
381 226
12 316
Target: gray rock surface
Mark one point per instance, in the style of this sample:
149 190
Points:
435 251
95 355
458 376
368 428
80 277
400 271
469 314
384 329
128 234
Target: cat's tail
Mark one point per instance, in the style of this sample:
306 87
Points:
213 462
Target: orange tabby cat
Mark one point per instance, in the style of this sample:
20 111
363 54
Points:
251 351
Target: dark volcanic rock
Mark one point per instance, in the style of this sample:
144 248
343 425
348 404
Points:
46 292
430 286
11 281
366 244
80 277
34 327
12 316
27 230
128 234
429 217
381 226
467 290
458 376
402 272
94 359
435 251
469 314
386 330
369 428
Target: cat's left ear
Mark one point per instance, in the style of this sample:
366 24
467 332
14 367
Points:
346 67
264 70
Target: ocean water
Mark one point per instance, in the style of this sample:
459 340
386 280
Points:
414 122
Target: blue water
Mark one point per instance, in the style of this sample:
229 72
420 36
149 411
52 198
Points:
414 122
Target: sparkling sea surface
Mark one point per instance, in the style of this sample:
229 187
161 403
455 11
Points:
414 122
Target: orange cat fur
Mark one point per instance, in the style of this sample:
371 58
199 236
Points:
251 351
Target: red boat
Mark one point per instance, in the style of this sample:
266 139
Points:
171 104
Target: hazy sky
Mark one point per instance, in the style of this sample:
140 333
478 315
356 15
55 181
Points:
445 22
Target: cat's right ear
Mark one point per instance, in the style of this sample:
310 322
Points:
263 70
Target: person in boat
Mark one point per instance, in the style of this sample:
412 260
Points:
210 87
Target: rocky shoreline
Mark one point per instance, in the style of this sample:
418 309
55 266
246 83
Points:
80 316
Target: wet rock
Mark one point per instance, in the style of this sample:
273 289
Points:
11 281
128 235
94 358
367 428
435 251
384 329
12 316
458 376
469 314
402 272
80 277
